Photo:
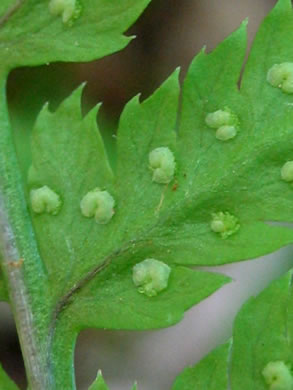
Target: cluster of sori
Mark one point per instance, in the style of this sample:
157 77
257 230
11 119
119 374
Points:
281 76
225 122
96 203
151 276
99 203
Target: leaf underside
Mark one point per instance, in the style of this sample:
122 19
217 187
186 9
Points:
32 36
262 334
171 222
73 246
89 265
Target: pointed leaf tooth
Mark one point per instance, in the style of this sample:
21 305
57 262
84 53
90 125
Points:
99 383
135 386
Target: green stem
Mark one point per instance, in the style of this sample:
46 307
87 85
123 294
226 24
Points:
62 355
23 269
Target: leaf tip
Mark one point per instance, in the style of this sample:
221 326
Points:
244 23
93 112
45 109
135 386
